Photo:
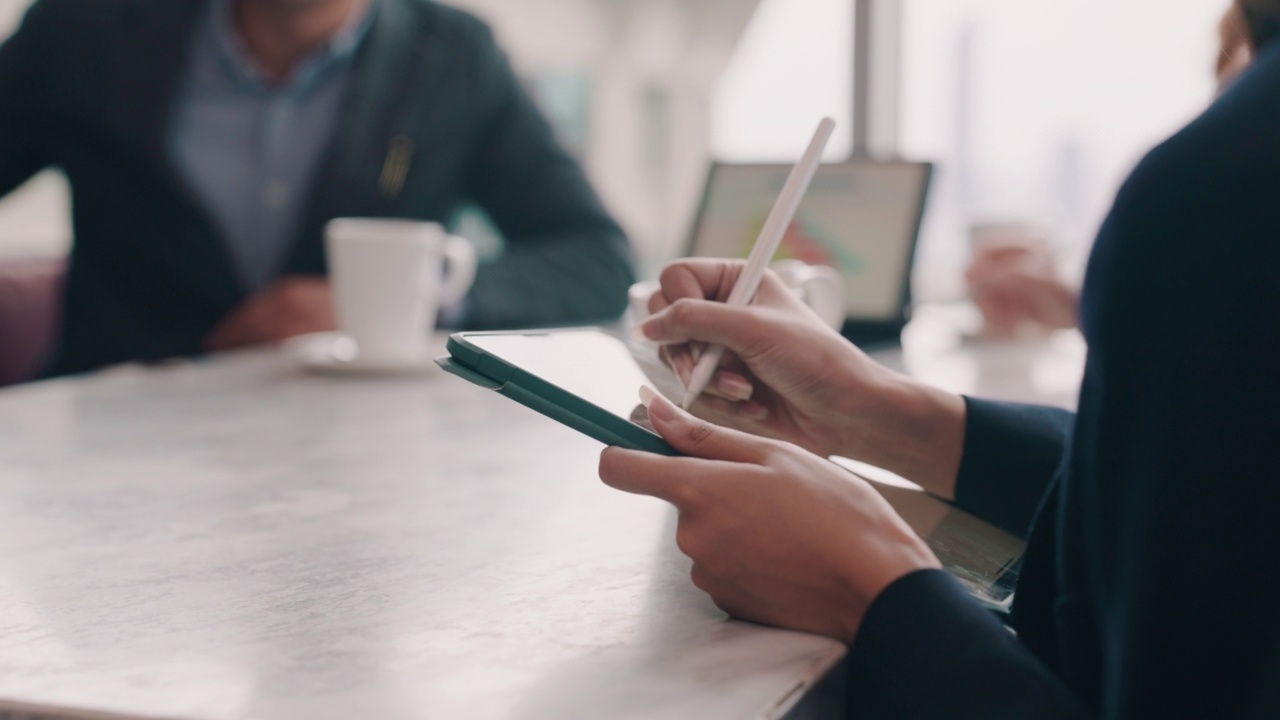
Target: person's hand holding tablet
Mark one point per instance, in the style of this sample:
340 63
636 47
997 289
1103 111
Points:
777 535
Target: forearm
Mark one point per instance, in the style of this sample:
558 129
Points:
578 278
919 433
995 460
566 260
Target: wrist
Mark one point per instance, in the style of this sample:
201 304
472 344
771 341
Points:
915 430
902 553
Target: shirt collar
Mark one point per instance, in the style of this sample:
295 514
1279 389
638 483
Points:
237 60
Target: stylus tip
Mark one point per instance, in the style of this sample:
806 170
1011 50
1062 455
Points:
689 397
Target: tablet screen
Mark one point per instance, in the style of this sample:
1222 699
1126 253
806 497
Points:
589 364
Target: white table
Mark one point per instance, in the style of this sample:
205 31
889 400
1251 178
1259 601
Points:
239 539
943 346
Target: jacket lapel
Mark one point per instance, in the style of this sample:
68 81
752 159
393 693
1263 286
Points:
390 77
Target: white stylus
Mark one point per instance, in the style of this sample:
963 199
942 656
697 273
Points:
775 227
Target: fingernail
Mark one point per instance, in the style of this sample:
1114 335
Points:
659 408
647 394
637 333
734 387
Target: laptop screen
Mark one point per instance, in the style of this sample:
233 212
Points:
861 217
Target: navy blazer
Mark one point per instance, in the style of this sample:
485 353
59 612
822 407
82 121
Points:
1151 584
88 86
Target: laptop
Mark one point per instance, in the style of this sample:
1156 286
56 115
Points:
861 217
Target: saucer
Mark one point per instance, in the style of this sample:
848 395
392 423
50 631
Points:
335 353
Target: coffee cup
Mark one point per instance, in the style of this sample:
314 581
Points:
819 286
390 278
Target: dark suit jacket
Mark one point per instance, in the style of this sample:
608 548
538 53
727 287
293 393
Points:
88 85
1151 585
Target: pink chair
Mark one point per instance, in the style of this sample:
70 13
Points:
30 294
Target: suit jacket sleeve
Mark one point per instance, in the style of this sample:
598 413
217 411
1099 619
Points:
928 650
24 146
566 260
1011 453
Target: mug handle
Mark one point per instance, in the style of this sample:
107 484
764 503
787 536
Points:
460 270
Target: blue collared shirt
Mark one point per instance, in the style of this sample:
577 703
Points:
249 149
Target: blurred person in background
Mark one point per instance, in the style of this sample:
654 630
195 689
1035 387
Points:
1151 579
1020 284
208 142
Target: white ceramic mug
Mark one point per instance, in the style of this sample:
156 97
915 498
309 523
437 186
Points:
819 286
390 278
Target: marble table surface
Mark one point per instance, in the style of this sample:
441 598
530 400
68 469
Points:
239 538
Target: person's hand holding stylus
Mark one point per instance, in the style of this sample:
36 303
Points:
775 226
787 375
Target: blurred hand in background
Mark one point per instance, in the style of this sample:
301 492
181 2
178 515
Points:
294 305
1019 285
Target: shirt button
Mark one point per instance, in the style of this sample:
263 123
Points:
275 195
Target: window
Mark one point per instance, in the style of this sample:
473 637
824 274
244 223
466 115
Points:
793 65
1036 111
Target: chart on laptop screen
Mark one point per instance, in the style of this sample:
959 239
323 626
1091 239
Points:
861 218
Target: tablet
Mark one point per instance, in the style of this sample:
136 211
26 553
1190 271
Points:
583 378
589 380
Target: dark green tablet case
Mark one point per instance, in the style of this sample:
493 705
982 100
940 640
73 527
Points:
475 365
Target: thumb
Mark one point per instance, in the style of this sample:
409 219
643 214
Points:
699 438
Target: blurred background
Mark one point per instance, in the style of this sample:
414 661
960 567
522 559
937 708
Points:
1034 110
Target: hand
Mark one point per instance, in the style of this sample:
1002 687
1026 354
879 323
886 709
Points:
291 306
777 535
1015 285
787 375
